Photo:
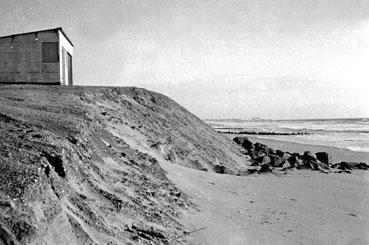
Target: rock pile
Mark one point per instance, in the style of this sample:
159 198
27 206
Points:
263 159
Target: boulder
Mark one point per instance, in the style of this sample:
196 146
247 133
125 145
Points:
253 154
296 155
344 166
294 160
277 161
363 166
266 160
263 159
264 169
287 164
279 153
269 151
220 169
303 166
322 157
309 161
308 156
286 156
240 139
322 166
357 165
313 164
254 163
258 147
261 153
244 142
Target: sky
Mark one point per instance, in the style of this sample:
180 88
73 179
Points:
219 59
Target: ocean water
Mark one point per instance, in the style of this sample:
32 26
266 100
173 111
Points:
352 133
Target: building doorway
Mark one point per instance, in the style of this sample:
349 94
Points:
70 69
67 68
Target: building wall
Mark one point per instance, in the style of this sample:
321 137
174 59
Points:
64 69
21 59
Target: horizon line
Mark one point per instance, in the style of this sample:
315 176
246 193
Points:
288 119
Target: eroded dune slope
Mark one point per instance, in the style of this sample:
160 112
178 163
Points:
80 165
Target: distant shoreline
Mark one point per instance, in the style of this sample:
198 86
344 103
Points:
283 120
259 132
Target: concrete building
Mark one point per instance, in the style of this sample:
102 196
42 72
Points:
40 57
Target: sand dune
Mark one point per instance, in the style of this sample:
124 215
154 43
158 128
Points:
80 165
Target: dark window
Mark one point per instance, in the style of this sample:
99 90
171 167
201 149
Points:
50 52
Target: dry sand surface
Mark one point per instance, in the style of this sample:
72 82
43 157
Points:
299 207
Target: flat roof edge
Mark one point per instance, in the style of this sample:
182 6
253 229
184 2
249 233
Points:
45 30
65 35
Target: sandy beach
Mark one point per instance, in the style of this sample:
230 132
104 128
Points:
302 207
98 165
175 122
298 207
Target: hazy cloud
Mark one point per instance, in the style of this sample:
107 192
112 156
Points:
283 47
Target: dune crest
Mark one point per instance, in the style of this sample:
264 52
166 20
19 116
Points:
80 165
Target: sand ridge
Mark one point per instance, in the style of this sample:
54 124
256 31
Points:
84 162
